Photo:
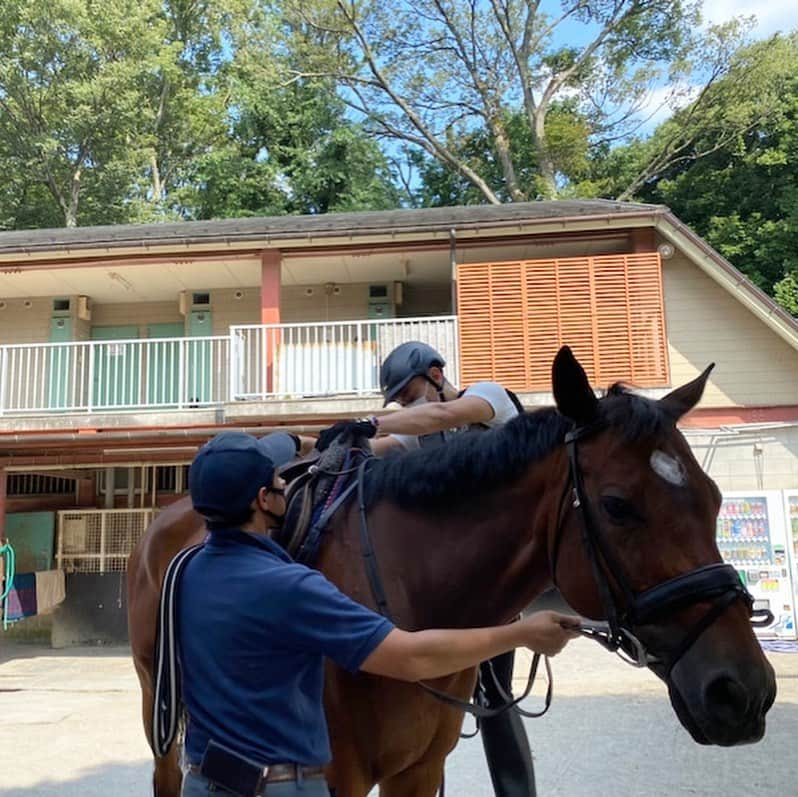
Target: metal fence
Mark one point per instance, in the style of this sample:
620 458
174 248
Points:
98 540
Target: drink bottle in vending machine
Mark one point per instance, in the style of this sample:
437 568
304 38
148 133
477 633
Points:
791 517
752 536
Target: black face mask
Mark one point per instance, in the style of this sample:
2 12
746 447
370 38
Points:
276 518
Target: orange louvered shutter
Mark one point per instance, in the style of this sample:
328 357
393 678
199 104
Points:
513 316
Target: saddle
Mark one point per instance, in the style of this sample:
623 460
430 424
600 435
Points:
318 486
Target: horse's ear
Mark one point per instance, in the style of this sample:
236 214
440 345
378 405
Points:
680 401
572 392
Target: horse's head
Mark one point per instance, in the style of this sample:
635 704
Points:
635 545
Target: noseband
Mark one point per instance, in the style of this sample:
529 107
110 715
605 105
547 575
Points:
715 583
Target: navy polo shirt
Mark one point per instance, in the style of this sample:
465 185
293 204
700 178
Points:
253 629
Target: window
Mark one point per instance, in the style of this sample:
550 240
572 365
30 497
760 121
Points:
23 484
514 316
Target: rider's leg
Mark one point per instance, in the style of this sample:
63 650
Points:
504 737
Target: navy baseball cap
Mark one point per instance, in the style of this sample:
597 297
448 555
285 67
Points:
228 471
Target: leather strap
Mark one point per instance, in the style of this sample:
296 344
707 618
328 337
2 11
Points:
279 772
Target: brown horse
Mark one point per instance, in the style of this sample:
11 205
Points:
621 518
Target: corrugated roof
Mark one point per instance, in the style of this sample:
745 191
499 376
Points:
303 227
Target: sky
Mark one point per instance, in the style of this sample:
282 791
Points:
770 17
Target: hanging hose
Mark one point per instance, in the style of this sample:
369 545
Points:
7 552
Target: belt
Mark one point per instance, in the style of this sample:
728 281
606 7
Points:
279 772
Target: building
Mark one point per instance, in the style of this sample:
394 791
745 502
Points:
122 349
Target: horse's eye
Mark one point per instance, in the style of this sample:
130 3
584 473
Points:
617 509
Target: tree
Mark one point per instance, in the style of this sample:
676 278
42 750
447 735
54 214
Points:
568 140
435 74
187 103
742 194
786 292
70 78
290 147
727 109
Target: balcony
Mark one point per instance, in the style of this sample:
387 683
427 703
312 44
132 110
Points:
258 363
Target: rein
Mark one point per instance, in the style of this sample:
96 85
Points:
717 582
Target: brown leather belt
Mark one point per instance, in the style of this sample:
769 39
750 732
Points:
279 772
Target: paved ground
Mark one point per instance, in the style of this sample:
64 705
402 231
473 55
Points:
69 727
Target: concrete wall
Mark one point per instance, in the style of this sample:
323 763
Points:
232 306
754 366
21 324
749 460
299 303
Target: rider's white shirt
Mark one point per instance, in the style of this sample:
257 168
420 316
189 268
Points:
492 392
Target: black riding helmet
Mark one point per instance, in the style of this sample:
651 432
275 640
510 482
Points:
405 362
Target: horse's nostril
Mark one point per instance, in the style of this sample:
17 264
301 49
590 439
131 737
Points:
727 701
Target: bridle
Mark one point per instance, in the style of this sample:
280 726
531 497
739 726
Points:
626 609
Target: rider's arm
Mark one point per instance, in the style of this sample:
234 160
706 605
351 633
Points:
305 445
380 446
416 656
436 416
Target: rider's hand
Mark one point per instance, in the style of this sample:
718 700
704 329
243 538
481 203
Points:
350 430
549 632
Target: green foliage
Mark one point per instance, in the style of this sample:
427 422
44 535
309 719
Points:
70 80
743 196
567 135
786 293
446 78
141 110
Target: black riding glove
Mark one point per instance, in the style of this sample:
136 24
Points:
350 431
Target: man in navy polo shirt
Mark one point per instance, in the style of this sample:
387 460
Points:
254 628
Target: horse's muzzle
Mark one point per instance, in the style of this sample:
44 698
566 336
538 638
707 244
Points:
725 711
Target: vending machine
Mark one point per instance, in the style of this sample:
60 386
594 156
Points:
752 536
791 518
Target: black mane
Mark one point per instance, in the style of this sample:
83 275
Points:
469 465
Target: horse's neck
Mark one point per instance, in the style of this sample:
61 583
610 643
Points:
480 565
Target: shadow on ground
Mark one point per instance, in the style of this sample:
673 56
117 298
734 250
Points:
108 780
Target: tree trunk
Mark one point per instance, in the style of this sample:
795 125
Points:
546 164
157 185
71 211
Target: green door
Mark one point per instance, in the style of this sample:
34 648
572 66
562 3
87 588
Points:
163 367
199 358
117 372
57 391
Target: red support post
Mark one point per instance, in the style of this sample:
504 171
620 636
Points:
270 271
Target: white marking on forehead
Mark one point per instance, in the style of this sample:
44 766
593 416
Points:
668 468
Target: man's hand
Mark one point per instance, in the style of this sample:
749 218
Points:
549 632
351 431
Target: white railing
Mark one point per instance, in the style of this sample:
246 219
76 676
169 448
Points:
95 376
253 362
327 358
